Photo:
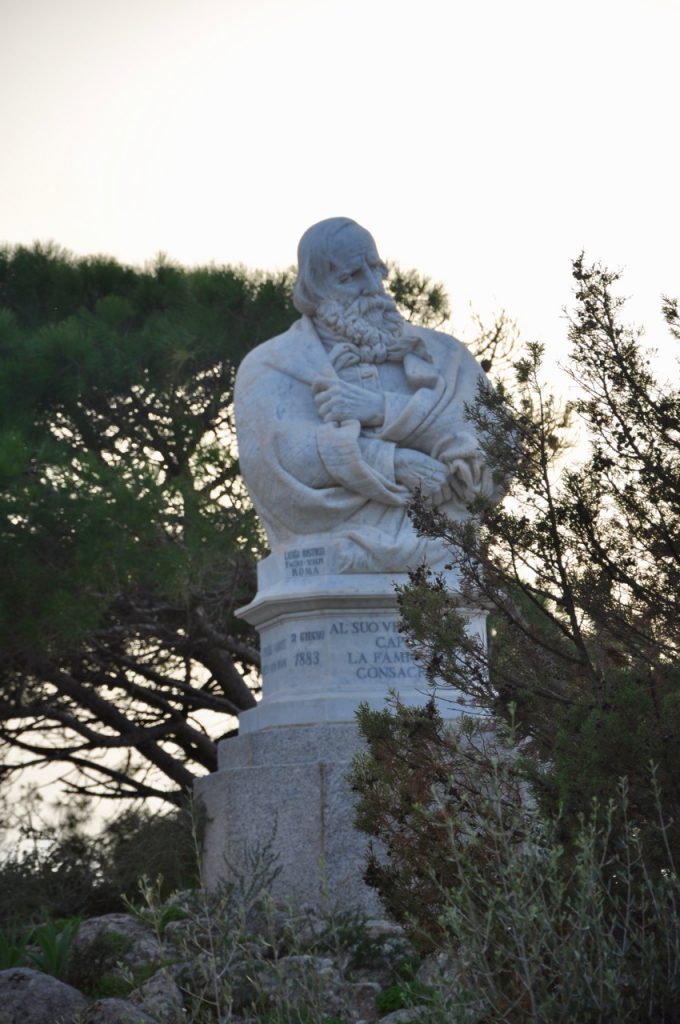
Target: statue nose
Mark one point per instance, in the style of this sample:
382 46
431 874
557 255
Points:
373 281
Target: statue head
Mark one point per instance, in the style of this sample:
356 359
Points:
338 261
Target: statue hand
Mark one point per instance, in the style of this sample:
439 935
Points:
338 400
415 469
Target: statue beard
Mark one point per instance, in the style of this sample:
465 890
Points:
371 325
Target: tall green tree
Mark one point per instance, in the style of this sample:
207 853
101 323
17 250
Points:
126 537
580 567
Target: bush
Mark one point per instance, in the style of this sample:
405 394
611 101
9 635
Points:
537 931
73 875
421 790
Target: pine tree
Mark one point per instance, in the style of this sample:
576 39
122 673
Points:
580 568
127 539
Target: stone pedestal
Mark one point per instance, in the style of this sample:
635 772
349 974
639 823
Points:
287 785
328 642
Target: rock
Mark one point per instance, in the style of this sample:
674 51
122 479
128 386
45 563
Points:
311 931
31 997
179 934
381 928
195 972
187 901
292 980
115 1011
141 947
161 998
408 1015
437 970
291 971
361 997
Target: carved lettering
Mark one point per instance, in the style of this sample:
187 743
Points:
388 672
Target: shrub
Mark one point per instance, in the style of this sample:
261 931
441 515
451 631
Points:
422 789
74 875
538 931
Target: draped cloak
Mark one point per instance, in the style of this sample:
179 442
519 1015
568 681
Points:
336 480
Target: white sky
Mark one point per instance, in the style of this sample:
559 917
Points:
484 142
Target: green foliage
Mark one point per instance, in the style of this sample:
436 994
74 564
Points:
127 537
402 995
54 942
599 943
421 789
580 568
91 966
159 846
510 843
13 948
97 968
347 938
67 875
47 947
57 878
531 929
420 299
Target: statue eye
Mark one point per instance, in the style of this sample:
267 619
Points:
352 275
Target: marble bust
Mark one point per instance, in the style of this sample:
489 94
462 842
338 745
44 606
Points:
341 418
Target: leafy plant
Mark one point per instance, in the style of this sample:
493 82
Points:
54 944
13 948
346 935
91 966
401 995
127 538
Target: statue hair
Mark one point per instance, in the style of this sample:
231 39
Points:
315 261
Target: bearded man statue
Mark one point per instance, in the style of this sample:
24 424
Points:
343 417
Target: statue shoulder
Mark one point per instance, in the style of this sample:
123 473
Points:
273 354
440 341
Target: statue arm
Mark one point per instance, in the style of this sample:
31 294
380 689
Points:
337 455
379 455
397 413
362 465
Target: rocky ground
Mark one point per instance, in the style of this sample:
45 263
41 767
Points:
195 960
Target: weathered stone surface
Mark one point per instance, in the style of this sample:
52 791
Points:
161 998
336 741
343 416
381 928
141 946
298 979
408 1015
115 1011
329 643
439 970
305 809
361 998
31 997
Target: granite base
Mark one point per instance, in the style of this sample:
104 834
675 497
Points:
288 786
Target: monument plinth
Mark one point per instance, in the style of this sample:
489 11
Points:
329 641
339 421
